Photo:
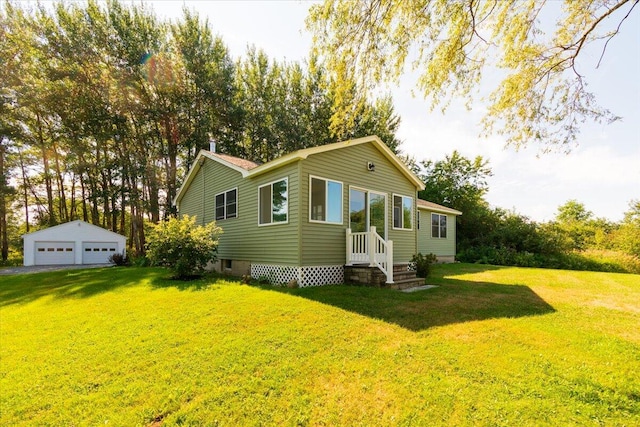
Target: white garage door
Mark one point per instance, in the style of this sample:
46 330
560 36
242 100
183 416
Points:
98 252
54 253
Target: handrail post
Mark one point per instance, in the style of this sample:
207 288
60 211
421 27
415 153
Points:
389 261
372 246
349 246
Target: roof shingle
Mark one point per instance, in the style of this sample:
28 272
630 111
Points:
430 205
241 163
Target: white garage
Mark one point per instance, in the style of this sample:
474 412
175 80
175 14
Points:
76 242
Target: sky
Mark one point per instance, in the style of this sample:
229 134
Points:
603 172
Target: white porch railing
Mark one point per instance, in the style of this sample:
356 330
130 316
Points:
368 247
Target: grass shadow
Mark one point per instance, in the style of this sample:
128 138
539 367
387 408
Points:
20 289
453 301
207 281
84 283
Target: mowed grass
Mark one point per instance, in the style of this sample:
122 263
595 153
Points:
488 346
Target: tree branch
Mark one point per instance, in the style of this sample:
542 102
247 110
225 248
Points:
604 49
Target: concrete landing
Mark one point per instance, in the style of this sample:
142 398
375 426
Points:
418 288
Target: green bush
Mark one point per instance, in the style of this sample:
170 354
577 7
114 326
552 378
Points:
139 261
14 259
119 259
183 246
588 260
423 263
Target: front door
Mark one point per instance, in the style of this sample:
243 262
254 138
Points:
366 209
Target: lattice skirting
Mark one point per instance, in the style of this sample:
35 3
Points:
316 275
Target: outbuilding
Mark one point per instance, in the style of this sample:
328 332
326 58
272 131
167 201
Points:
76 242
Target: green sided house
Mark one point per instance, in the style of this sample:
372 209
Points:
308 214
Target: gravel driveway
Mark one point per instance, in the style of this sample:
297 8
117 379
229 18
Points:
44 268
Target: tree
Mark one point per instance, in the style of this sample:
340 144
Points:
580 229
183 246
455 181
461 183
573 211
627 237
542 97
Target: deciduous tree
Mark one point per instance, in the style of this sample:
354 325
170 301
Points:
541 98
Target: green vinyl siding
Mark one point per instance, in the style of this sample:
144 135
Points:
436 245
275 243
242 238
325 244
192 202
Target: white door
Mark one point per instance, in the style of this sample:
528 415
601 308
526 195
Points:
55 253
98 252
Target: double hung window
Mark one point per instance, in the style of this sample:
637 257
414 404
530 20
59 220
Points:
438 226
227 204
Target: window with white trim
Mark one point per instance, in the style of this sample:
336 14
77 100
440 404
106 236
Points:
325 200
227 204
273 202
438 226
402 212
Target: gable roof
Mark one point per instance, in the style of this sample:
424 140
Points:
251 169
71 224
423 204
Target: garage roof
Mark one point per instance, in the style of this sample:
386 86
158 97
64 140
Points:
77 223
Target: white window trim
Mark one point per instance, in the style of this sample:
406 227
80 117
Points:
439 226
326 200
393 206
268 224
215 206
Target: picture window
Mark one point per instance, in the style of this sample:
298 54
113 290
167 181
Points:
273 203
325 198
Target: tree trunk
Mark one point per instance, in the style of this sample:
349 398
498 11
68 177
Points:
172 151
46 170
73 212
25 192
62 199
85 213
3 204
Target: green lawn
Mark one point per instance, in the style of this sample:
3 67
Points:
489 346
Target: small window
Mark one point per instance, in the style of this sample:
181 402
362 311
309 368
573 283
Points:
439 226
40 249
69 249
112 249
96 249
226 264
226 204
105 249
50 249
325 199
402 212
273 203
59 249
87 249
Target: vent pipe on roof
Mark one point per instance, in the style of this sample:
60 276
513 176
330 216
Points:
212 146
